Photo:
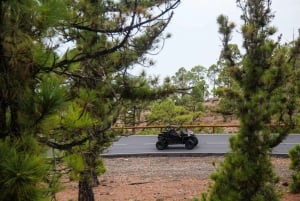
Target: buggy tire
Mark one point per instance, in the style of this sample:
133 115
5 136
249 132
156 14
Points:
195 139
189 144
161 145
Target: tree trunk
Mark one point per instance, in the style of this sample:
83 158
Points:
90 159
85 192
95 180
14 125
3 128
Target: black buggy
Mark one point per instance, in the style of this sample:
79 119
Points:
171 136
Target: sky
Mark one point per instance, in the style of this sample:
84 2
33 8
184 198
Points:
195 39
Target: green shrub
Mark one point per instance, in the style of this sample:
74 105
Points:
153 131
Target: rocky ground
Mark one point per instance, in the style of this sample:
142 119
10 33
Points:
164 179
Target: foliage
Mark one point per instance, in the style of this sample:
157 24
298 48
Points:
23 51
228 102
148 131
227 88
191 84
265 93
213 72
184 106
193 90
22 170
147 90
166 112
294 155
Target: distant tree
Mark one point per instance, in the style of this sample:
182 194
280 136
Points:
167 112
197 76
225 84
185 104
133 110
266 95
213 73
187 80
192 89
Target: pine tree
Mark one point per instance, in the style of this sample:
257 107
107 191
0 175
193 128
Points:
110 38
23 52
70 101
294 153
266 96
26 96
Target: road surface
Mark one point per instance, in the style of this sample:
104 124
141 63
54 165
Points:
208 144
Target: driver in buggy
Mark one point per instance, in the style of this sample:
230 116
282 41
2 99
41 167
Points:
171 130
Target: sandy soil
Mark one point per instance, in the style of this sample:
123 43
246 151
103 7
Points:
164 179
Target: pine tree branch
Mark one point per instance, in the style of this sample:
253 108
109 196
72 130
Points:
127 28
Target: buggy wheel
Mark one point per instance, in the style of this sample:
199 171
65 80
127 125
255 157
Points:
161 145
195 140
189 144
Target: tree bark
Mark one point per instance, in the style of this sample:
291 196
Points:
3 128
95 180
14 125
85 192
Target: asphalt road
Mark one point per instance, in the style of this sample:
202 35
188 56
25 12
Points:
209 144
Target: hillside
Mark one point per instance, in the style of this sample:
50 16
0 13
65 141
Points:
211 116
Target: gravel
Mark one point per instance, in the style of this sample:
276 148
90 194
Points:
200 167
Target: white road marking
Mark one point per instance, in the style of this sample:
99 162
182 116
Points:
150 143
